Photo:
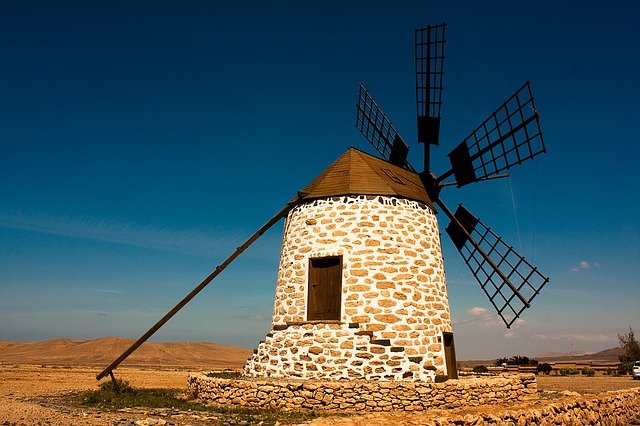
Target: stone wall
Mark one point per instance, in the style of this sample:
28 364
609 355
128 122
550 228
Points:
361 395
610 408
394 306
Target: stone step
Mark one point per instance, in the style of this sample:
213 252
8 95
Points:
364 333
280 327
354 325
381 342
397 349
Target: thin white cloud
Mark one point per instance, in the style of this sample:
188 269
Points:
252 317
584 265
481 317
477 311
193 241
107 291
540 337
575 337
510 335
518 323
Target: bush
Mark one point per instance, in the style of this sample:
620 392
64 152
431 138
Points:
631 349
544 368
568 371
625 368
120 386
522 360
126 396
515 360
588 371
480 369
501 361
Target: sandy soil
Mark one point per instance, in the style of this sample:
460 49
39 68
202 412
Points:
585 385
30 395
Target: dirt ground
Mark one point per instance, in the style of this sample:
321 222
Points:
584 384
29 395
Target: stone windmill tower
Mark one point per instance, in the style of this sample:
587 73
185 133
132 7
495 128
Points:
361 288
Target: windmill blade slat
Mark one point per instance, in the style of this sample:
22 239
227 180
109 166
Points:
429 56
378 130
503 274
510 136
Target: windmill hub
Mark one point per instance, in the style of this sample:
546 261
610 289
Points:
431 185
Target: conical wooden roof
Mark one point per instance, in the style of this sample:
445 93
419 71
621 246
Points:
358 173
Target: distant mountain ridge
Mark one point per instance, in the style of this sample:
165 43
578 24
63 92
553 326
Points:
102 351
607 355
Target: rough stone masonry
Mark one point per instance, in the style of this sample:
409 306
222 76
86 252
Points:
363 395
393 300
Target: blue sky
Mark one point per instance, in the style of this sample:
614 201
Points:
143 141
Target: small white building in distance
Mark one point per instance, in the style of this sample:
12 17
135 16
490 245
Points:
361 290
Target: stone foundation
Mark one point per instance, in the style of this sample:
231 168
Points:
361 395
334 351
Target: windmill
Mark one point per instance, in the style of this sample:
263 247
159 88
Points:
406 333
508 137
361 292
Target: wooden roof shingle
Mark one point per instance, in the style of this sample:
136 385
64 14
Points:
358 173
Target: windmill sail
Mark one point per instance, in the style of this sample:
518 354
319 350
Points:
429 55
510 136
378 130
507 278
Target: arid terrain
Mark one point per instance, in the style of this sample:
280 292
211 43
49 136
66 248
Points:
101 352
35 389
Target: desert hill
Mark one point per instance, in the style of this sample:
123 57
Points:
607 355
102 351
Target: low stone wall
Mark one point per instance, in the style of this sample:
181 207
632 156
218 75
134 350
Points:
609 408
360 395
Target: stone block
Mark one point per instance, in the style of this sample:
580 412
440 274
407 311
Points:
387 318
383 285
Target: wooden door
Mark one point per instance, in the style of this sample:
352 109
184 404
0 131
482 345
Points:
325 288
450 355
